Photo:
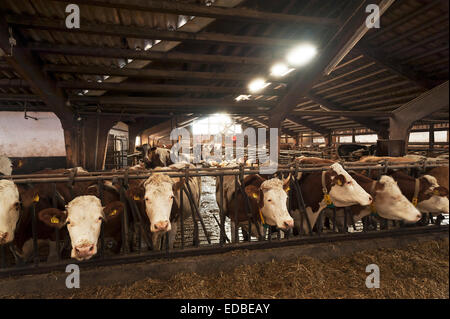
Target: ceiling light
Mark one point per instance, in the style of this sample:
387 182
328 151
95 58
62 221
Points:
301 55
257 85
243 97
280 69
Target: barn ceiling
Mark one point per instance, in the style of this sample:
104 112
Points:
177 59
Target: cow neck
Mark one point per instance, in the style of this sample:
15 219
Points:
415 199
326 196
373 209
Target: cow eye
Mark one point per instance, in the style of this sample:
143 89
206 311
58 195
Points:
100 218
171 197
16 205
269 200
68 222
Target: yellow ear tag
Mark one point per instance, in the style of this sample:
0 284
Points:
327 199
114 212
436 192
36 198
54 220
339 182
415 201
137 197
287 189
255 196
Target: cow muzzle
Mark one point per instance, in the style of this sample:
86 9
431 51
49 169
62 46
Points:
161 226
83 252
287 224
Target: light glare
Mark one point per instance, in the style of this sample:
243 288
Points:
280 69
257 85
301 55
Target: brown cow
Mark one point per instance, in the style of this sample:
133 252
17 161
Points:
388 202
267 199
323 188
430 196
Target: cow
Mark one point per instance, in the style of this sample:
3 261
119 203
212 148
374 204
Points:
388 202
6 165
267 203
9 210
425 192
83 217
159 198
158 157
323 188
52 214
441 175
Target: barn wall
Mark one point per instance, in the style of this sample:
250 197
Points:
30 138
32 145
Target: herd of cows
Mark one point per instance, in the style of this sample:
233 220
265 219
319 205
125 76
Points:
81 209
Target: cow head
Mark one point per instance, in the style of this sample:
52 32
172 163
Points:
272 199
159 197
344 190
432 197
9 210
83 217
390 203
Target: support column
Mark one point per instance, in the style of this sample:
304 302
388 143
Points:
431 139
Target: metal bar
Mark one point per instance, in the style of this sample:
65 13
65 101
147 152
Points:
214 249
34 234
236 207
181 219
221 212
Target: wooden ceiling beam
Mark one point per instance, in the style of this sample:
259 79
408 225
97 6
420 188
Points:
181 8
42 23
25 64
146 73
118 53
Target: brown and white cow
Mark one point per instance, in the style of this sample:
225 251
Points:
431 197
83 217
158 157
159 198
41 197
335 183
267 199
9 210
388 202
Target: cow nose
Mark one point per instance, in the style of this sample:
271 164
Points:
370 199
162 226
3 237
84 250
289 223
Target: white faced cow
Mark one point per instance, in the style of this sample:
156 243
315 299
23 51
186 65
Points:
342 189
161 195
267 204
83 216
388 202
9 210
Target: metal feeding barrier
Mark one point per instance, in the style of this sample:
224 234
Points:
136 239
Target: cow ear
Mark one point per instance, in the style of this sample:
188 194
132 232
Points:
340 180
113 210
177 185
379 186
136 193
53 217
440 191
252 192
